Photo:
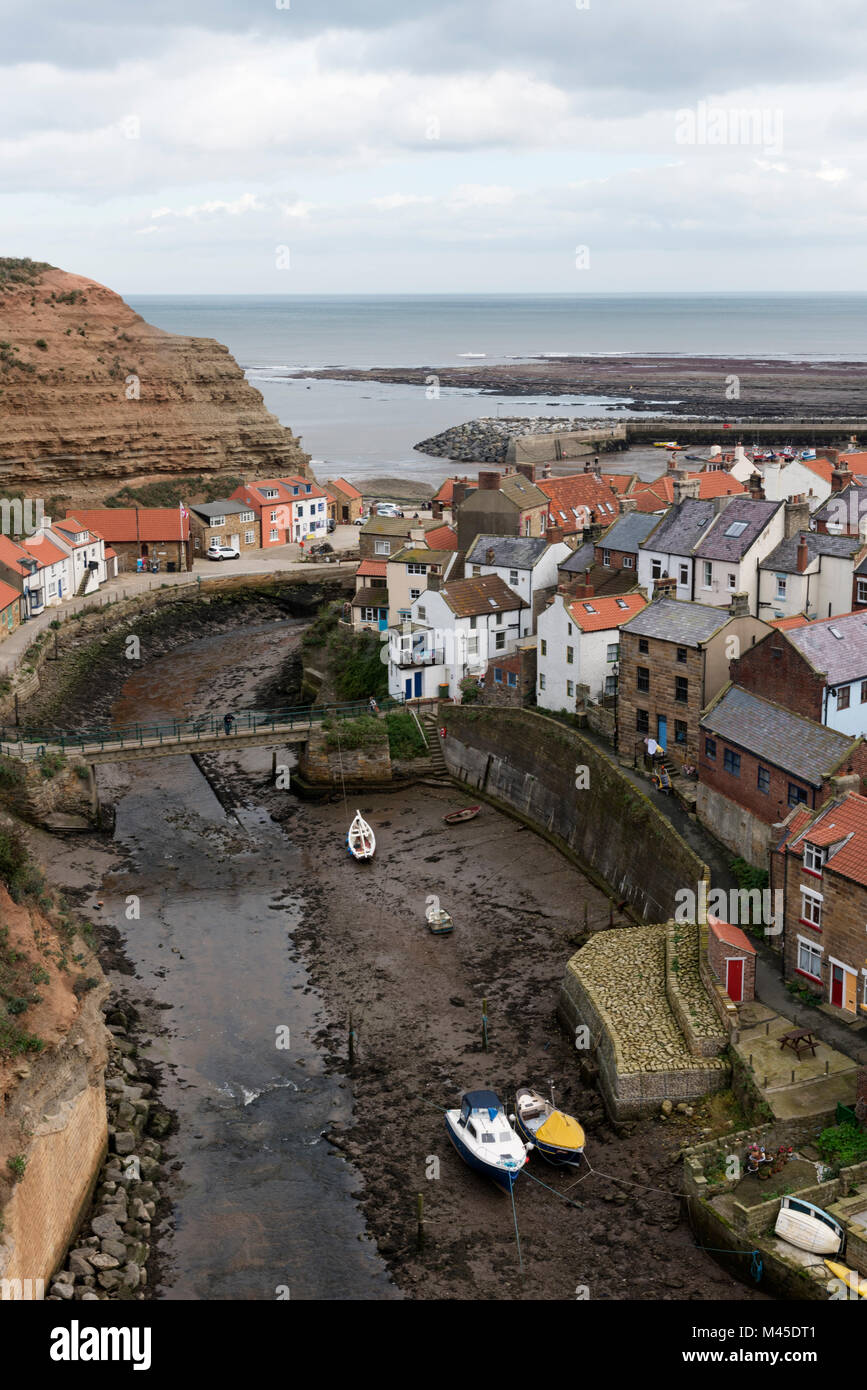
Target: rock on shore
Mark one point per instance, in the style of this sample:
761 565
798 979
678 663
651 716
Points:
487 440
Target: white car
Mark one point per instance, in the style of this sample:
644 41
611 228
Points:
388 509
222 552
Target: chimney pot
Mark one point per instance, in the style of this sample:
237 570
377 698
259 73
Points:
489 482
489 555
803 554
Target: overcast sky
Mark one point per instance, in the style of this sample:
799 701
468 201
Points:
425 146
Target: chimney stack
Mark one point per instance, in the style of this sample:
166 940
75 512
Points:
628 504
554 534
459 492
803 554
489 555
489 482
797 516
583 589
666 587
840 478
685 488
740 605
756 487
433 582
528 470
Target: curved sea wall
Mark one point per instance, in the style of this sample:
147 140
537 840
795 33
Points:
531 765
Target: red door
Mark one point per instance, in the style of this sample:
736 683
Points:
735 979
837 987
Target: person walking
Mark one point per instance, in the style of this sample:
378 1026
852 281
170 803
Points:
374 707
228 723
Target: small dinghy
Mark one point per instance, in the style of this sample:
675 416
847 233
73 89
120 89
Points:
360 841
558 1137
849 1277
468 813
809 1228
439 921
485 1140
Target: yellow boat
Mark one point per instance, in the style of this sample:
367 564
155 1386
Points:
557 1136
850 1277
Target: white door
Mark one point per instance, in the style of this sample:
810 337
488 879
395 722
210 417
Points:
235 541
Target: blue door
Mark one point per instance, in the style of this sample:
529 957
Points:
383 619
661 730
408 691
418 685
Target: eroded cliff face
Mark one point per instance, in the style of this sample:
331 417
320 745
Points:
53 1124
92 396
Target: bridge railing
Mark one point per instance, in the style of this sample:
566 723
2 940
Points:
29 742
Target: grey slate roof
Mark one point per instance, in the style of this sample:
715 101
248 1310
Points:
228 507
785 557
629 531
580 560
842 658
797 745
674 620
846 506
681 528
514 552
716 545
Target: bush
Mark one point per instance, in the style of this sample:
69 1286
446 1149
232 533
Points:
404 738
469 689
17 1166
357 665
363 732
843 1145
21 877
41 344
50 764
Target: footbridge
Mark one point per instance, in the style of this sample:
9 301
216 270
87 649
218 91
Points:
208 733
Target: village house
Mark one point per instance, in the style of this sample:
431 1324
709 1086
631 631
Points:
845 512
11 600
224 522
667 551
511 680
502 505
757 760
821 867
662 492
811 573
579 646
288 509
580 569
88 567
674 658
819 670
411 572
580 501
348 501
618 547
367 611
528 564
452 633
712 549
152 535
382 536
732 958
38 569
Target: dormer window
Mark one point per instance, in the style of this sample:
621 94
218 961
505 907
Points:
814 857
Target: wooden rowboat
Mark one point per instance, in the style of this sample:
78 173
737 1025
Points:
360 841
809 1227
455 817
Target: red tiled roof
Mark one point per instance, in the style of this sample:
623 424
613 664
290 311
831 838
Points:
8 595
372 568
42 550
110 554
819 465
447 491
787 624
12 554
606 612
442 538
117 524
582 492
716 483
732 936
621 483
346 488
845 820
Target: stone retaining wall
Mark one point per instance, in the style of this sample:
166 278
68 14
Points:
686 994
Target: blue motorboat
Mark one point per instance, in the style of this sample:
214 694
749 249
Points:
483 1136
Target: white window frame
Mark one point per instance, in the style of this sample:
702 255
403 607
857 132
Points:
814 857
627 562
815 901
382 547
708 575
249 537
805 945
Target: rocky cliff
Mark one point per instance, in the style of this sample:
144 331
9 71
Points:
92 397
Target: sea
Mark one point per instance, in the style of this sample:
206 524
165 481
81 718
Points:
366 430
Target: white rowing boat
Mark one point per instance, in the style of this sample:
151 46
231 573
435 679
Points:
809 1227
361 841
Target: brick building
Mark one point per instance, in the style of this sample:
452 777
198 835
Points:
821 866
155 535
348 502
674 658
511 680
818 670
757 761
732 958
502 505
617 548
225 522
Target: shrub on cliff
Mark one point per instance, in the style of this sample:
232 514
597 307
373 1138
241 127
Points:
344 734
404 739
21 878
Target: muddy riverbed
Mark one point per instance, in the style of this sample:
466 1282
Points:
255 929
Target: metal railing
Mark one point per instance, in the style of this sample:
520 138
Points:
26 742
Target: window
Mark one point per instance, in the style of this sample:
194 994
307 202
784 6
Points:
628 564
864 692
274 534
679 731
218 521
500 619
814 857
477 569
732 762
642 721
610 685
369 615
797 795
544 647
270 492
422 613
843 697
513 576
414 594
249 537
782 585
681 689
708 574
541 682
513 679
569 629
570 688
570 656
500 641
382 547
809 959
274 516
643 645
656 569
737 528
681 654
862 590
606 558
416 569
710 748
642 678
498 674
763 779
246 516
733 579
684 574
811 908
613 652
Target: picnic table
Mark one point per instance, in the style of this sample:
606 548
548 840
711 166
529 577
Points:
800 1040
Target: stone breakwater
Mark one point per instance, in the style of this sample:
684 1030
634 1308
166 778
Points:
487 440
110 1260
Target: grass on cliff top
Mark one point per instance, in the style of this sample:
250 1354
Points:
20 270
168 492
19 976
404 739
345 734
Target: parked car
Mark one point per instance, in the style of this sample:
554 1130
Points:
222 552
388 509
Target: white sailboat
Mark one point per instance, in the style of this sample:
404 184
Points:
361 841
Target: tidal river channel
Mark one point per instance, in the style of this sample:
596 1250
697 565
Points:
260 1208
